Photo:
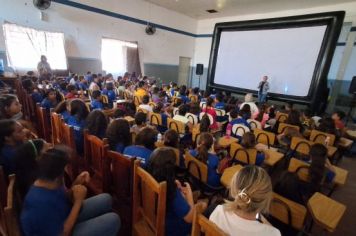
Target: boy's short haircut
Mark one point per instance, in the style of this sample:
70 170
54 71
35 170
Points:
96 94
52 163
145 99
340 114
70 87
140 118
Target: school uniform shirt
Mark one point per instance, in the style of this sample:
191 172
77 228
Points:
37 97
212 112
232 224
175 213
78 127
220 105
44 211
213 163
95 104
140 92
7 159
46 103
181 118
141 153
241 121
111 95
120 147
184 98
65 114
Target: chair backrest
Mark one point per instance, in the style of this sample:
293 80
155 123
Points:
175 100
195 135
265 137
255 124
149 203
220 112
136 100
43 122
95 150
211 119
239 130
176 125
281 117
202 225
139 109
10 211
320 137
288 212
196 168
67 138
192 118
152 104
155 118
193 98
56 124
243 155
104 99
299 167
283 126
301 145
202 105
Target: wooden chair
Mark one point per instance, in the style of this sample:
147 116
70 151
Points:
265 137
196 168
10 211
95 155
139 109
67 138
202 105
283 126
43 122
192 118
104 99
220 112
281 117
320 137
201 115
155 119
176 151
202 225
149 204
56 124
301 145
176 125
288 212
152 104
255 124
239 130
136 100
299 167
242 155
120 186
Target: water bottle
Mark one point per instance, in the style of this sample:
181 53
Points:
228 130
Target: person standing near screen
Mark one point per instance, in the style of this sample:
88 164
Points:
263 89
44 69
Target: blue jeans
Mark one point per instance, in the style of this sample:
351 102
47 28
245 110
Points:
262 97
96 217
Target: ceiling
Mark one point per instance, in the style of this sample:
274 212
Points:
197 8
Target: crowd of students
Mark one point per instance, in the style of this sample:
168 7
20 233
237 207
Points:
39 167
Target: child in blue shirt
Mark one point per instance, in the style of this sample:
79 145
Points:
183 94
144 145
110 92
237 118
249 141
51 99
202 153
49 209
219 102
96 123
96 100
118 135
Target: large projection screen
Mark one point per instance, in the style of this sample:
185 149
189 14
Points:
294 52
287 56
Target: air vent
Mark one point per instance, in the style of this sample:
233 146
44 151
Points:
212 11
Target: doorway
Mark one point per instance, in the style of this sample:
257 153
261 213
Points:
183 71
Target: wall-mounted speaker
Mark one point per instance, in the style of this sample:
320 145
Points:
199 69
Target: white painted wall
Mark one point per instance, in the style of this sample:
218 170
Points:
83 29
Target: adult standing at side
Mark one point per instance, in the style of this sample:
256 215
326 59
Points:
44 69
263 88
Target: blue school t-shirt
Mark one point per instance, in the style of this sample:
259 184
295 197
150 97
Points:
184 98
7 159
44 211
111 95
120 147
213 163
176 211
141 153
220 105
78 127
37 97
96 105
241 121
46 103
65 115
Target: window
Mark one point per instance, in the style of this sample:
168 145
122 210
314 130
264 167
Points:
114 55
24 47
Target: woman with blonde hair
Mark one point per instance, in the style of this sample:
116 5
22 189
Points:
251 190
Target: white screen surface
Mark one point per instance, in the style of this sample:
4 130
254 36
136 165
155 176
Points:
287 56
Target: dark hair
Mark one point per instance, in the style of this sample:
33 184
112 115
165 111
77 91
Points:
182 90
145 99
234 113
327 125
219 97
204 123
27 84
262 111
194 108
209 102
119 113
171 138
340 114
158 107
272 113
78 109
140 118
206 141
248 140
96 123
96 94
182 110
61 107
161 166
52 163
5 101
25 158
196 91
155 90
7 127
293 118
118 131
307 112
147 138
70 87
318 155
141 84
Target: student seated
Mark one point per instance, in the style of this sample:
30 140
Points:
205 153
249 101
179 201
211 111
12 135
118 135
49 209
262 115
96 102
249 141
307 121
71 92
51 99
119 113
141 91
63 108
183 94
10 107
144 105
96 123
182 111
140 122
144 145
219 102
237 118
110 92
295 119
339 124
251 190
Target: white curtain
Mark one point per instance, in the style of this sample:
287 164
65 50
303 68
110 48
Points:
24 47
114 54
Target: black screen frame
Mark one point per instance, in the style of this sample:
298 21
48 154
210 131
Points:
333 21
